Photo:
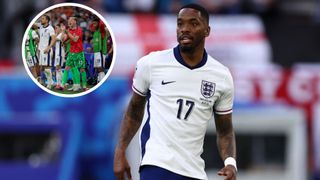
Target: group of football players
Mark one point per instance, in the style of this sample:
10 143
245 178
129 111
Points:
53 49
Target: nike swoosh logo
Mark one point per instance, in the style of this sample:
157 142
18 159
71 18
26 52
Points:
168 82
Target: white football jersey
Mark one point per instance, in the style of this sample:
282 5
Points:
59 46
45 37
181 101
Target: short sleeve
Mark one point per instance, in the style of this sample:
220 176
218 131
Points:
224 103
34 35
141 79
59 37
51 31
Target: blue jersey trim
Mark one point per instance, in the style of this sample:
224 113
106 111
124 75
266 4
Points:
137 91
60 53
48 58
177 55
145 134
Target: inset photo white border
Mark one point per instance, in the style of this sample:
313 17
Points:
113 45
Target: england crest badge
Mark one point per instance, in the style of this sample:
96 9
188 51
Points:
207 88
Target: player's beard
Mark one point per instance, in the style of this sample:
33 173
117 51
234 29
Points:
71 25
190 48
186 49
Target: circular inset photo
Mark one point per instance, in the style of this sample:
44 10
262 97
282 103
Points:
68 50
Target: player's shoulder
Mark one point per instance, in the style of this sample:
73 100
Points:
220 70
50 27
79 29
34 33
216 65
58 36
155 56
158 54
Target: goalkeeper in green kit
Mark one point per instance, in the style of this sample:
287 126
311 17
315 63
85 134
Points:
75 59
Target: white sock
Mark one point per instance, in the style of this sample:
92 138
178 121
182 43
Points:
77 86
48 74
58 76
100 76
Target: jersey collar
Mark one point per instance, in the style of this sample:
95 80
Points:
46 26
179 58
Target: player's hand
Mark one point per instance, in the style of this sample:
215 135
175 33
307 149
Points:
121 166
229 172
46 50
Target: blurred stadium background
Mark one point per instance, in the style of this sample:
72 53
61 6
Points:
272 48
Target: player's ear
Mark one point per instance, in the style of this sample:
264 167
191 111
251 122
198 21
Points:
207 31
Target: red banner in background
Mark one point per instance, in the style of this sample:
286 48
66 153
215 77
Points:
6 65
149 33
299 86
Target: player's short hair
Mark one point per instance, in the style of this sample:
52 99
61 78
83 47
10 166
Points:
64 22
204 13
57 24
75 18
34 26
47 17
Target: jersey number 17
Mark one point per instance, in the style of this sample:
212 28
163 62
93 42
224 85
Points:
187 103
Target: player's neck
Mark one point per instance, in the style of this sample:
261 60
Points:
192 58
46 25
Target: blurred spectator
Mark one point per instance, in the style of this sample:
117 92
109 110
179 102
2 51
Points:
110 52
139 5
222 6
114 6
89 58
87 37
169 6
260 7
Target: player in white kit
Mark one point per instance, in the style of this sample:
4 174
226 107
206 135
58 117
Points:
59 58
181 88
46 42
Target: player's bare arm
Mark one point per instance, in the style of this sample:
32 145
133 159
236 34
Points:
72 37
36 41
63 34
130 125
68 34
226 143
